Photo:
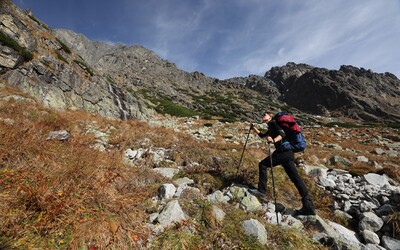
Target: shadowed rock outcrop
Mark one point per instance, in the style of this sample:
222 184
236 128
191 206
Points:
352 92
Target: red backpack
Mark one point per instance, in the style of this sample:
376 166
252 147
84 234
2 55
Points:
294 139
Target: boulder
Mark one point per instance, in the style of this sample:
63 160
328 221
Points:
390 243
256 229
250 203
216 197
166 172
171 214
376 179
370 221
370 237
166 191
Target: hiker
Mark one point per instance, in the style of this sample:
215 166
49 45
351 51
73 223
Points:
281 156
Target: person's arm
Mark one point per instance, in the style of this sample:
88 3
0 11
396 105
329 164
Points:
262 135
279 131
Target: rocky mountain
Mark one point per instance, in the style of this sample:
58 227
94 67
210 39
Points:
349 91
66 70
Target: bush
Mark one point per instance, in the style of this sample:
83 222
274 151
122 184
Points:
85 67
59 56
63 46
8 41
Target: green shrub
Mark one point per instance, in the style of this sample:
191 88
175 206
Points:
8 41
164 105
59 56
63 46
85 67
38 22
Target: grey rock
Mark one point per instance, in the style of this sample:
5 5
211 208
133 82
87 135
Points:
183 181
166 172
134 154
387 209
238 192
217 213
256 229
376 179
171 214
362 159
338 160
378 151
250 203
216 197
315 171
166 191
370 237
390 243
327 183
61 135
366 206
370 221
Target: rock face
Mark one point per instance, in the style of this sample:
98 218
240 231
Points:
54 74
142 71
349 91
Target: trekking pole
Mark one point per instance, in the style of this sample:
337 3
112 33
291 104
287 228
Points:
273 182
245 144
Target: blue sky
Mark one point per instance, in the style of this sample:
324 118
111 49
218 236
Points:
229 38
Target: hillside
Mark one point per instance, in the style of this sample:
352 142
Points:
75 180
113 147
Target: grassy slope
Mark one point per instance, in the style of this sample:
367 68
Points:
69 195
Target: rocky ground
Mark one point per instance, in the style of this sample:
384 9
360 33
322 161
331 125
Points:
182 179
367 200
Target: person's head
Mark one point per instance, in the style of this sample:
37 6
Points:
267 117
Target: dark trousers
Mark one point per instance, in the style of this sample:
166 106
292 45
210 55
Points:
286 159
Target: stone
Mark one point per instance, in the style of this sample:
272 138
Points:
316 171
61 135
378 151
376 179
171 214
346 236
370 237
250 203
339 160
387 209
166 191
166 172
390 243
216 197
256 229
366 206
327 183
370 221
362 159
342 214
183 181
237 192
374 247
134 154
217 213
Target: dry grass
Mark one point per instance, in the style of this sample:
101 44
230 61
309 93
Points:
66 194
57 194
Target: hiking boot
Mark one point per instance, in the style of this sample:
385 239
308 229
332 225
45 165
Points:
304 211
308 207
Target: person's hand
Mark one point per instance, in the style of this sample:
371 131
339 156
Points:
270 139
